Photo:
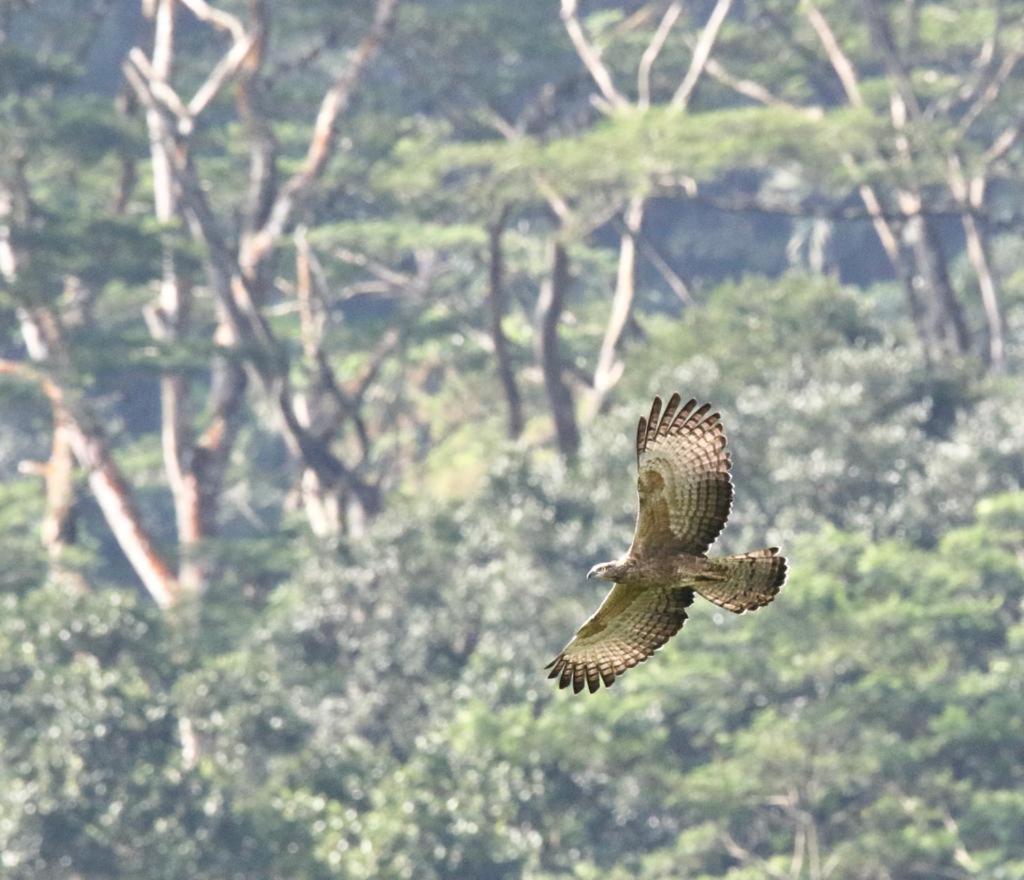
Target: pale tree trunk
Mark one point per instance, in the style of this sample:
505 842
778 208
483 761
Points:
74 429
321 500
239 274
549 312
944 313
976 238
809 245
890 235
112 492
934 308
58 530
334 498
670 276
496 305
701 55
167 320
609 367
971 197
195 469
114 497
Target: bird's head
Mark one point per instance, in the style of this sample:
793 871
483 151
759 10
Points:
609 571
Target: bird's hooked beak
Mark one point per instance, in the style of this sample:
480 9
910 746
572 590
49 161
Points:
593 573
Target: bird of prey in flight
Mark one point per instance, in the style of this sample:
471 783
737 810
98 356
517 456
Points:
685 494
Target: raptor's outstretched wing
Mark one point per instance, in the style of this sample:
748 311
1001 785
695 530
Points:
683 480
631 624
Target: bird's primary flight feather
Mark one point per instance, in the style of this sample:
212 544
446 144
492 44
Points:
684 495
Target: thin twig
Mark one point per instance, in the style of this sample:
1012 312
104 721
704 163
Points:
643 72
590 55
701 54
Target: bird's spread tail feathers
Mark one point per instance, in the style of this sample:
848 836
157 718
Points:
746 582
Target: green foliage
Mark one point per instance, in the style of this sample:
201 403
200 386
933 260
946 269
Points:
647 146
20 509
22 71
383 717
841 419
396 237
89 132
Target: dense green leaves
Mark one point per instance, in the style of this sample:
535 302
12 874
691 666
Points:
389 719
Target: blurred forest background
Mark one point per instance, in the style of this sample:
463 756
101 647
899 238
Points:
324 329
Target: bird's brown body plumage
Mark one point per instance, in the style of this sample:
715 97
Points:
684 499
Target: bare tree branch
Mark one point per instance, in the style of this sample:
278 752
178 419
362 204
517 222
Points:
746 857
963 857
1003 143
651 53
885 42
195 468
220 19
321 147
236 277
548 315
385 273
910 203
496 303
58 527
559 207
223 72
590 55
841 64
157 81
109 488
701 54
609 368
669 275
754 90
990 92
972 198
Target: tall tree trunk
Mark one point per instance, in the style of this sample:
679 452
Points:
972 195
944 314
496 304
167 320
609 367
890 235
74 428
114 497
335 498
58 530
978 254
904 266
549 312
321 499
112 492
195 468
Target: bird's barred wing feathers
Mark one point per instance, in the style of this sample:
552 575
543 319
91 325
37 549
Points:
631 624
683 479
